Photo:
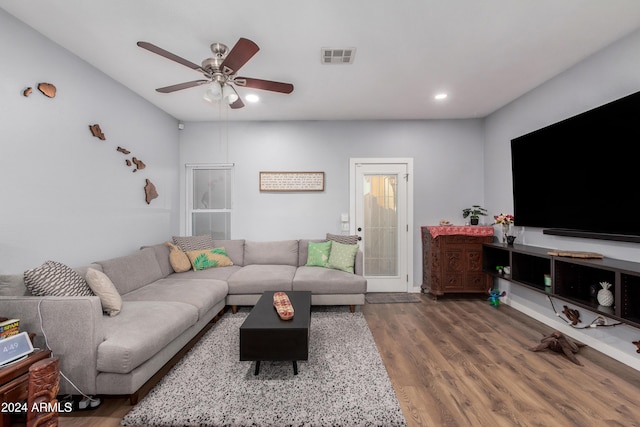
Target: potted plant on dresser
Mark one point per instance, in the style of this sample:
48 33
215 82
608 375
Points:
473 213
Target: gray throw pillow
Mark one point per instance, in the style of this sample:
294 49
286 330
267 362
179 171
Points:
56 279
345 240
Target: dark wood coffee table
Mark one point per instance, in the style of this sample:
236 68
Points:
264 336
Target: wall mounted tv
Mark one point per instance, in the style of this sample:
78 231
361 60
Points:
579 177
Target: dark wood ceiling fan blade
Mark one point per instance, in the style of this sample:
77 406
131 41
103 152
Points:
159 51
180 86
237 104
264 84
242 52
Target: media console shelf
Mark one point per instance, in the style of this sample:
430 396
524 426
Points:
575 280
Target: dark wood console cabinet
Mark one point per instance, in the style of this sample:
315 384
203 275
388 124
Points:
574 280
453 264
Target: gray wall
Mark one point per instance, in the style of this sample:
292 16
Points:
448 170
65 195
610 74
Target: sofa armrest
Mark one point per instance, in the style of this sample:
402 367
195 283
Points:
73 328
358 268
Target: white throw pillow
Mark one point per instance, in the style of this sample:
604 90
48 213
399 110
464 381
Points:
102 286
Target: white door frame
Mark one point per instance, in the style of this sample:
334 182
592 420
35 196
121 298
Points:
409 220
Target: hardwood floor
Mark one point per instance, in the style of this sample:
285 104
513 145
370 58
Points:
461 362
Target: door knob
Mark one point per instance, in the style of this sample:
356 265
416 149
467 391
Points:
359 228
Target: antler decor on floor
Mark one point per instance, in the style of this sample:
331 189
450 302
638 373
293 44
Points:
560 344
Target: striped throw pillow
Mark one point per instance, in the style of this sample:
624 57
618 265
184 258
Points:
345 240
56 279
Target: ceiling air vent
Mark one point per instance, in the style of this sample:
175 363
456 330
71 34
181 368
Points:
338 56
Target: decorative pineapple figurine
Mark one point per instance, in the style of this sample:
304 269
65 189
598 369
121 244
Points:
605 296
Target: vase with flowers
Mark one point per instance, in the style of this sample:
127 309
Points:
505 221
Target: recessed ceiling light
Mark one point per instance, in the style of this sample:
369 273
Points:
440 96
252 98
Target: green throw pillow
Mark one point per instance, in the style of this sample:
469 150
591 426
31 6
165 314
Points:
318 254
342 257
208 258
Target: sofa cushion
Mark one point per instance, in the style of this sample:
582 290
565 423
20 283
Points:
103 287
54 278
162 256
220 273
280 252
192 243
203 259
202 294
234 248
141 330
131 272
342 257
13 285
318 254
255 279
321 280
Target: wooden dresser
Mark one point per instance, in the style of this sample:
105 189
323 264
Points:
452 259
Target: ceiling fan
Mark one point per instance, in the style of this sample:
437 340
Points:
220 72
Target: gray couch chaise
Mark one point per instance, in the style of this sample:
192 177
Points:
162 311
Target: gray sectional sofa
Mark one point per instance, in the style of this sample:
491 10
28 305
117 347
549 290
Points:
162 310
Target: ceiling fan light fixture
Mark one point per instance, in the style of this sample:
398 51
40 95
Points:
214 93
229 94
252 97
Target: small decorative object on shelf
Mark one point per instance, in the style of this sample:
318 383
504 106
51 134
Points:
500 269
505 220
494 297
474 213
605 296
572 314
576 254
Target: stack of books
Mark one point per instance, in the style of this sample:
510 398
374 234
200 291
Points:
9 327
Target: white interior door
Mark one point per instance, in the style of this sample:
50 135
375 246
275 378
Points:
381 220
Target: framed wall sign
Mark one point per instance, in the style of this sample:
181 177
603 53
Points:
291 181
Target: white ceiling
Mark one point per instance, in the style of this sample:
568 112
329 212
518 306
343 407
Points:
483 53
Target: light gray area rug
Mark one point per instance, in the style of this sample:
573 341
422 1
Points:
344 382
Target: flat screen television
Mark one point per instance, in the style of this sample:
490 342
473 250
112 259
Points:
579 177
